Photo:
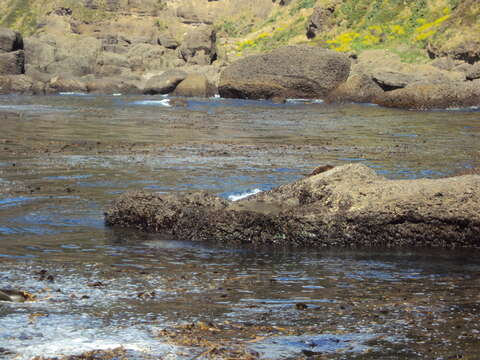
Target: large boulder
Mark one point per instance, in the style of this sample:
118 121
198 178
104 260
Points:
12 63
345 206
195 85
199 46
164 83
291 71
10 40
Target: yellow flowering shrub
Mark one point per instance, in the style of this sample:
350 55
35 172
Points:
370 40
343 41
429 29
397 29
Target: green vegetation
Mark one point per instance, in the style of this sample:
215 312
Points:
406 27
20 11
302 4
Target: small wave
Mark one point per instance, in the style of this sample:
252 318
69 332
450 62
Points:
72 93
236 197
164 102
307 101
117 94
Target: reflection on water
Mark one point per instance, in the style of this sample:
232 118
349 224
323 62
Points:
63 158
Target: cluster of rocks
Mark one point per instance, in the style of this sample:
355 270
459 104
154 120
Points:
345 206
68 59
375 76
61 61
379 77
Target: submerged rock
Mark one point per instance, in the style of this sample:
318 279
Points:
345 206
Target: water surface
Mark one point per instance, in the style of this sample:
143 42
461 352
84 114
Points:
64 158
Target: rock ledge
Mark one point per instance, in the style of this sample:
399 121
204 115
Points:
346 206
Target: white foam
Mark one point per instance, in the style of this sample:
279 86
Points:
72 93
164 102
62 335
244 195
311 101
117 94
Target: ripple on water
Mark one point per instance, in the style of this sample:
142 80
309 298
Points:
288 347
50 327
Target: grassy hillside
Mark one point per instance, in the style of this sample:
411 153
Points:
407 27
403 26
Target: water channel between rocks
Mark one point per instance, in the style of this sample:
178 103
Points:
64 158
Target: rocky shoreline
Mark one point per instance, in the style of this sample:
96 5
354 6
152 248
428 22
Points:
57 59
346 206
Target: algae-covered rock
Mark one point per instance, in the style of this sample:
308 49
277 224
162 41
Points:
345 206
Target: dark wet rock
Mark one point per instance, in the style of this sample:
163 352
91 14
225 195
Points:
12 295
282 2
321 20
290 71
199 46
195 85
164 83
433 96
321 169
346 206
12 63
10 40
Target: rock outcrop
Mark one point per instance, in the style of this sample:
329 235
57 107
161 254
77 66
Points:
290 72
199 46
10 40
322 19
345 206
380 77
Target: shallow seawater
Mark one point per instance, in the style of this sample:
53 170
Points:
64 158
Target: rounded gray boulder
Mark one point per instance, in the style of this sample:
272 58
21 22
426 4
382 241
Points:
290 72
